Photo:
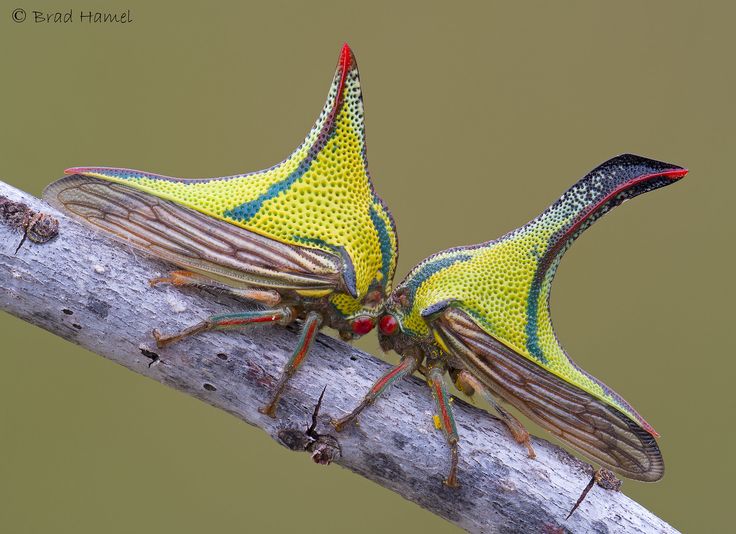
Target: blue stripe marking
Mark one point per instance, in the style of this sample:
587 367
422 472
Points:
248 210
385 244
430 268
315 241
532 306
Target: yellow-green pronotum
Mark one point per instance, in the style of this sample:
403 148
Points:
481 312
308 237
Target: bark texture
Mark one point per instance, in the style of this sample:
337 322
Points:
94 292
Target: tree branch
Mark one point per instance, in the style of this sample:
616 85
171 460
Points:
94 292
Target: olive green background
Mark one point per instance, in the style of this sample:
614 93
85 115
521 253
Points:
478 116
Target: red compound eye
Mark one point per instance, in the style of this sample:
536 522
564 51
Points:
362 325
388 325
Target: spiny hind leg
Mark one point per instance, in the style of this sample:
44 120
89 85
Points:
310 328
267 297
406 367
444 418
605 479
468 384
228 321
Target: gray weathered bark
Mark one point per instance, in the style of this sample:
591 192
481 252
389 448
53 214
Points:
94 292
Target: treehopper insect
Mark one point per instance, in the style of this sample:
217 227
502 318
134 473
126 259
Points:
308 238
482 314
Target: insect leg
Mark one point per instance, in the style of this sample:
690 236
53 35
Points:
309 332
267 297
227 321
463 379
406 366
445 419
180 278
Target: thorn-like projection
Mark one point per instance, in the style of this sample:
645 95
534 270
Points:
333 265
312 430
605 479
459 307
324 447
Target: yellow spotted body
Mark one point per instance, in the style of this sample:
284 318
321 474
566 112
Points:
320 197
307 238
493 285
504 285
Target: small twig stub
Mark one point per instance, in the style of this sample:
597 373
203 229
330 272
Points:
37 226
324 447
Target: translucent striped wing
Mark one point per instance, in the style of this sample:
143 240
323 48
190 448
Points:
576 417
192 240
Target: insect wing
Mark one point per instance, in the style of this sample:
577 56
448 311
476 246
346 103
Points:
585 423
193 240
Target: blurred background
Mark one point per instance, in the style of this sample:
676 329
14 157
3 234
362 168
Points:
478 116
